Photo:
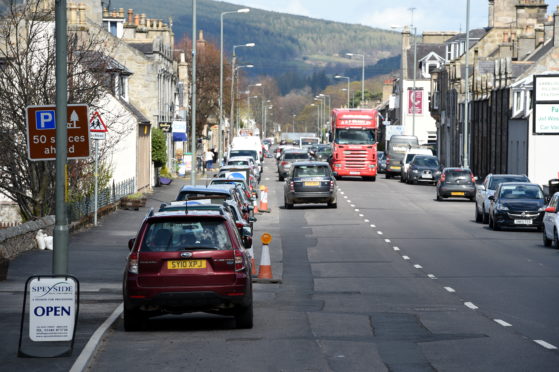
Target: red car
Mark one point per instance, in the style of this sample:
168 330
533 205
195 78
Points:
187 261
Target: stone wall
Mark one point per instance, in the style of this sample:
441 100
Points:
19 239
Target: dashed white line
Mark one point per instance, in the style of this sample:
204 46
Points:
387 240
431 276
502 322
396 249
357 210
471 305
379 232
373 226
366 221
547 345
361 215
450 289
405 258
352 205
345 196
418 266
341 192
349 201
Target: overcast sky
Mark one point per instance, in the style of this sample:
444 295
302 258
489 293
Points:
430 15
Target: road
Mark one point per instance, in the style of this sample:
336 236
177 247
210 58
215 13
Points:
390 281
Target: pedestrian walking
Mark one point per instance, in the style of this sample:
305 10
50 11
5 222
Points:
209 158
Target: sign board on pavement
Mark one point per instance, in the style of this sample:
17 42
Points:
41 132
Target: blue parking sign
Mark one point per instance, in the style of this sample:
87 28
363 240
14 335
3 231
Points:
45 119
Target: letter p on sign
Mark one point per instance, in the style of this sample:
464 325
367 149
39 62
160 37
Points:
44 119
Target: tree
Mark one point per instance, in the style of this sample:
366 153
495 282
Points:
27 77
158 148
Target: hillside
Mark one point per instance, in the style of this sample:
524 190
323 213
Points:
284 42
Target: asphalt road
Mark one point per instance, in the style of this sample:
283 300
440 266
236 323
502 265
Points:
390 281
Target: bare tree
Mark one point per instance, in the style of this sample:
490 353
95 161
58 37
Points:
27 77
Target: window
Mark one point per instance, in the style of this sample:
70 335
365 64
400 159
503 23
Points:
311 171
354 137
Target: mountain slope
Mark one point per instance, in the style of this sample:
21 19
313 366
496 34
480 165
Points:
284 42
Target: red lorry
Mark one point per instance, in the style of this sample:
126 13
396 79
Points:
354 147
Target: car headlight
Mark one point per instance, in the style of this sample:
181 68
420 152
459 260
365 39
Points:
501 207
415 171
438 172
542 209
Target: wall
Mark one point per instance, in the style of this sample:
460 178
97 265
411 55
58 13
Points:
19 239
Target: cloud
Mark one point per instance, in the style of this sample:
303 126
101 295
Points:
385 18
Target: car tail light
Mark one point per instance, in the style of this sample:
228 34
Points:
291 186
239 225
331 185
239 261
387 160
443 177
133 263
472 177
283 163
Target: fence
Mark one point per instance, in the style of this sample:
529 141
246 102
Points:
6 225
106 196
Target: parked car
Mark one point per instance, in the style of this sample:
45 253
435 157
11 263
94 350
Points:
381 161
456 183
408 157
487 188
517 204
310 182
201 192
424 168
183 262
241 182
288 158
551 223
245 161
239 171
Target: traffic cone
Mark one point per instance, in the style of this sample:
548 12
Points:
255 206
252 261
264 199
265 271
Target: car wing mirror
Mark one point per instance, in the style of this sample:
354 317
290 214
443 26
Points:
491 197
252 219
131 243
335 174
246 232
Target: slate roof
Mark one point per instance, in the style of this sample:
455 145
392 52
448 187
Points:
98 61
541 51
422 51
146 48
476 33
137 113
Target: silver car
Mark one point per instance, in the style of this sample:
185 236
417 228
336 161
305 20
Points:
288 158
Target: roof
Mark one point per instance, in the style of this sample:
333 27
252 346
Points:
135 112
204 190
422 51
235 167
146 48
476 33
189 214
310 163
541 51
99 61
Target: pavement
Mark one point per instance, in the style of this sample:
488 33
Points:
96 258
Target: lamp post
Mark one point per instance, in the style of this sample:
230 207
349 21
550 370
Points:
233 72
466 161
348 89
193 113
249 97
265 123
293 124
248 88
233 95
220 136
362 73
327 114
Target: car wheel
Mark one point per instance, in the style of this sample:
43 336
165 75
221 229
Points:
244 317
133 320
373 178
280 177
495 225
547 242
387 175
332 205
414 182
402 178
287 205
479 217
555 239
485 216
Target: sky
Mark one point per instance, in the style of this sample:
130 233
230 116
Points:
429 15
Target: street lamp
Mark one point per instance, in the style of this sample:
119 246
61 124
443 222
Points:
233 95
233 71
327 116
293 124
466 161
348 89
362 73
248 104
220 146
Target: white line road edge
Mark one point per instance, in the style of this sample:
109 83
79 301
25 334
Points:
450 289
471 305
86 356
502 322
547 345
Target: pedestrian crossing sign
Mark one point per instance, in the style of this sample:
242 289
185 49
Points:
96 123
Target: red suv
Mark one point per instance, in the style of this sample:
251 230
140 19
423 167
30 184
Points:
187 261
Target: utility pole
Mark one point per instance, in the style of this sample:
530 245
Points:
466 162
414 70
60 235
193 113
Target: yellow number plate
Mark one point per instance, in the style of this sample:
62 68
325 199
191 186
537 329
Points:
394 167
312 183
186 264
457 193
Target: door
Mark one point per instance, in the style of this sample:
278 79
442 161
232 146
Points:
517 162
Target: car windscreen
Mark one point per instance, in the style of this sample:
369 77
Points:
354 137
520 192
426 162
409 157
180 235
311 171
253 154
496 181
238 162
215 198
296 156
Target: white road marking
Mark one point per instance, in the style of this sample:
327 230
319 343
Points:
405 258
418 266
366 221
357 210
349 201
431 276
471 305
450 289
361 215
502 322
379 232
352 205
387 240
396 249
345 196
373 226
547 345
341 192
267 178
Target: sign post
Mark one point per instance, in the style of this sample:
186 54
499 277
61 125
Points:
98 131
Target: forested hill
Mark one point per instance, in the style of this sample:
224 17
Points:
284 42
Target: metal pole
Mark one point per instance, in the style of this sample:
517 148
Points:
466 161
220 136
347 92
233 73
60 254
193 114
363 81
96 202
414 77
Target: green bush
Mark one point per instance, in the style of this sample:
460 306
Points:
158 148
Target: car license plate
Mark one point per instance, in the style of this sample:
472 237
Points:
186 264
312 183
430 176
394 167
355 173
457 194
522 222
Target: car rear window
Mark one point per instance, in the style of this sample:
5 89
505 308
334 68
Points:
496 181
238 162
521 192
453 174
426 162
409 157
215 198
296 156
177 235
311 171
250 153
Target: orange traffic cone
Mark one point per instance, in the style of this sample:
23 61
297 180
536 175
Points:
264 199
265 262
255 207
252 261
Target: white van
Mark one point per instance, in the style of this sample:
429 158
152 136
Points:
247 146
408 157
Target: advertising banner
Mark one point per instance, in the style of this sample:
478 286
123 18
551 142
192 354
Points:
415 100
546 104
